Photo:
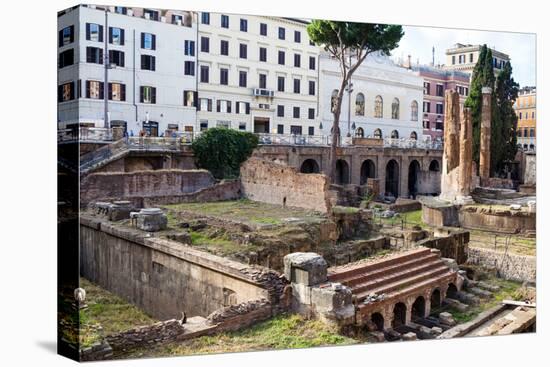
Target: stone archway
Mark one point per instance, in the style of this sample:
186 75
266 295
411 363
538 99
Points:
392 178
418 309
414 173
378 320
309 166
434 166
399 315
451 291
342 172
368 170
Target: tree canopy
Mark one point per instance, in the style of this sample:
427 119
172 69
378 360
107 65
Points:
221 151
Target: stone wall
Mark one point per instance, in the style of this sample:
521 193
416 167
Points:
440 215
157 333
279 184
498 183
127 185
225 190
165 277
98 351
506 221
243 315
451 243
508 266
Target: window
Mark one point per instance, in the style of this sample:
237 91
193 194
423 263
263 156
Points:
189 67
426 107
94 89
296 112
116 57
280 111
471 57
531 133
205 104
466 91
333 100
205 18
242 126
394 134
121 10
263 54
263 29
280 84
66 36
281 58
66 58
281 33
224 47
203 125
311 87
378 134
148 94
360 105
295 130
189 48
177 19
65 92
414 136
296 85
426 88
151 14
242 78
280 129
359 133
244 25
297 37
519 133
312 63
94 55
454 60
439 108
148 41
224 76
205 44
117 92
116 36
533 115
414 111
520 115
395 109
297 60
263 80
311 131
426 124
205 71
148 62
189 98
311 114
242 51
94 32
378 107
242 108
225 21
439 90
223 106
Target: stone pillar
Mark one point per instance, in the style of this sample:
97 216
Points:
449 171
485 136
465 161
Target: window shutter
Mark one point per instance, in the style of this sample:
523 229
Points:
141 89
237 107
209 105
79 88
195 99
121 59
142 40
110 91
88 31
88 55
154 47
100 55
228 106
185 98
153 63
110 34
87 89
247 108
153 95
100 38
72 34
122 37
60 38
59 93
101 90
218 108
123 92
72 91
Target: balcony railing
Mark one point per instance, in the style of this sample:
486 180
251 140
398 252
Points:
85 134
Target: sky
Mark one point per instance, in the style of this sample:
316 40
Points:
521 47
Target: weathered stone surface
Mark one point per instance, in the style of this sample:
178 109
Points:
485 139
456 304
446 319
436 330
151 220
508 266
451 159
481 293
409 336
306 268
378 336
465 164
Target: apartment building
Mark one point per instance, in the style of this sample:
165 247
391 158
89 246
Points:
257 74
151 75
526 111
383 101
463 58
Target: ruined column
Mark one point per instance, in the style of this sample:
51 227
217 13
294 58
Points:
449 171
485 136
465 161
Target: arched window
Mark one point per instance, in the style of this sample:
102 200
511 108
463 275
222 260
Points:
395 109
414 111
378 107
359 132
519 133
414 136
360 105
394 134
333 100
378 134
531 147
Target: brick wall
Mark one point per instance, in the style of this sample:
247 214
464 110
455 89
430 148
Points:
275 183
508 266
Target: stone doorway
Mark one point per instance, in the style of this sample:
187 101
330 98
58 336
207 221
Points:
418 310
414 172
399 315
310 166
261 125
378 320
367 171
392 178
342 172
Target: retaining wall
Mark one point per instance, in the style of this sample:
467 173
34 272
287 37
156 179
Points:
508 266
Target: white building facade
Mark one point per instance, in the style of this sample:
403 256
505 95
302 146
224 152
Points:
257 74
385 99
152 74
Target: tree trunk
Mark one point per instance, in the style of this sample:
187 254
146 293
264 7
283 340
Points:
336 132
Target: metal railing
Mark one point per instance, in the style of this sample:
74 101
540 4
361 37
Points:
88 160
85 134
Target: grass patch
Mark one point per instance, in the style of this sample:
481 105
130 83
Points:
280 332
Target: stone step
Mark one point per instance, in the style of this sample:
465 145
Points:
337 274
399 285
359 278
370 283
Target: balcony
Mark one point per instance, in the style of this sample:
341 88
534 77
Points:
262 92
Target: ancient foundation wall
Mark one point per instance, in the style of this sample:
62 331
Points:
508 266
429 182
503 221
498 183
279 184
440 216
452 245
164 277
127 185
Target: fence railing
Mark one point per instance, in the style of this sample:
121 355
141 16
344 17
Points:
85 134
104 153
